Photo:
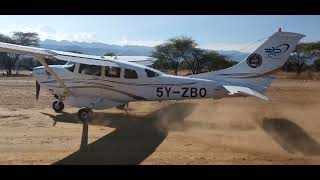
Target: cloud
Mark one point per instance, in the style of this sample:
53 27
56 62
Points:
150 43
47 29
48 32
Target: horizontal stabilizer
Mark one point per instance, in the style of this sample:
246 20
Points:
234 90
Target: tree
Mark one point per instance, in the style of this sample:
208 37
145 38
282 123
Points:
8 60
26 39
186 50
303 53
28 63
215 61
162 64
189 52
196 60
167 51
183 51
289 66
316 64
178 50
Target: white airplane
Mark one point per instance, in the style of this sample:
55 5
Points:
99 82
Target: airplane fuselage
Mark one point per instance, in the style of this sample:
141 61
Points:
105 92
100 82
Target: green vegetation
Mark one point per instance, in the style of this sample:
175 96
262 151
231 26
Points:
303 53
8 60
182 53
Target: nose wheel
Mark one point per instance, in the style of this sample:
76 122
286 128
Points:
85 114
58 106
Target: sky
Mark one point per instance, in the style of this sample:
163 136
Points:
217 32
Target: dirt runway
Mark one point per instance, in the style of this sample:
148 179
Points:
285 130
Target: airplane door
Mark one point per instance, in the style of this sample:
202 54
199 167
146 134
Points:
87 79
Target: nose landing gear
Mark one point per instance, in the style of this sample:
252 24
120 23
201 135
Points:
58 106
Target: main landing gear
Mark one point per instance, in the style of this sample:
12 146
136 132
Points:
85 114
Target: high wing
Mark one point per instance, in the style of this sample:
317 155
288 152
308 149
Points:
75 57
234 90
60 55
142 60
40 54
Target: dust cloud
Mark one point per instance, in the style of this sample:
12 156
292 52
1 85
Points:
242 130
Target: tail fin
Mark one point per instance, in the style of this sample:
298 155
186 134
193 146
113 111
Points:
250 76
265 60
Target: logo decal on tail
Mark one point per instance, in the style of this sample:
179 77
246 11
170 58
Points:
275 51
254 60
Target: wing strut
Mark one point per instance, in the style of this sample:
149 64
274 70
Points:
61 83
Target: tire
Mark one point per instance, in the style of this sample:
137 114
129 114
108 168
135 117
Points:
58 106
85 114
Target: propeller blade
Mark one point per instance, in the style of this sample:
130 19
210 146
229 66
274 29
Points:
37 90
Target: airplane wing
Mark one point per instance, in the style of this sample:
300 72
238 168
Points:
142 60
40 54
234 90
54 54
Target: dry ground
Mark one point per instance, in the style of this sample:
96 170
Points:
285 130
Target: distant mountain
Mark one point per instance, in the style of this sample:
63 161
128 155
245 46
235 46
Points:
96 48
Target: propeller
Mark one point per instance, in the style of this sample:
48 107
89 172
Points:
37 90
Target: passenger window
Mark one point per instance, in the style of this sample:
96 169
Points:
90 69
151 73
112 72
130 74
81 68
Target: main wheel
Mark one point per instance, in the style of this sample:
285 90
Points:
58 106
85 114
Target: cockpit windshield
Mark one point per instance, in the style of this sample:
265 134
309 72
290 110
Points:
151 73
70 66
70 63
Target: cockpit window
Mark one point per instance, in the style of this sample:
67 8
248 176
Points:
90 69
70 63
130 74
112 72
70 67
151 73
